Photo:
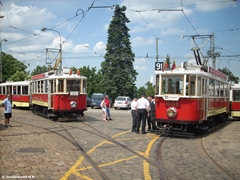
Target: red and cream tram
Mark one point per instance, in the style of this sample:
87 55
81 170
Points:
19 91
60 95
190 97
235 101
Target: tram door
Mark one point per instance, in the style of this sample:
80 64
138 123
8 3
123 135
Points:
50 94
204 98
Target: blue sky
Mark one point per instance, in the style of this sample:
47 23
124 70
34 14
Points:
84 38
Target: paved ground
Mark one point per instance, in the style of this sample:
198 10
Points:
31 152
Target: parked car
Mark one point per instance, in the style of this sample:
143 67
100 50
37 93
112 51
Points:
96 99
122 102
88 99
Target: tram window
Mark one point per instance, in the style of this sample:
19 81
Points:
203 86
73 85
211 87
84 86
226 90
221 89
60 85
172 84
0 90
199 86
14 90
18 90
45 86
236 95
3 90
217 88
53 83
25 90
191 85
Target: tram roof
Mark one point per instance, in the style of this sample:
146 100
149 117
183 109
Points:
194 70
236 87
57 75
18 83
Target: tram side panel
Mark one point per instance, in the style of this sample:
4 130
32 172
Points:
187 110
235 109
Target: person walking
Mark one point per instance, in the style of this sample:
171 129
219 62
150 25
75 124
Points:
142 112
7 110
134 114
152 112
103 106
108 106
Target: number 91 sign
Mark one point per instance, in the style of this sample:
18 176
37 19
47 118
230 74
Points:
158 66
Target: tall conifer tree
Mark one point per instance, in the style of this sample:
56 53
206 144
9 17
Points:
119 75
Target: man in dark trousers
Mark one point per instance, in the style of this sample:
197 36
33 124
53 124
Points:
152 112
143 112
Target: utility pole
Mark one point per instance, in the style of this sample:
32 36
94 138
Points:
156 49
1 61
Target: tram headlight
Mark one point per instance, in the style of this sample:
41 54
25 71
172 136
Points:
73 104
171 112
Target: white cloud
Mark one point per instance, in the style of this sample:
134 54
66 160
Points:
100 48
141 41
172 31
140 68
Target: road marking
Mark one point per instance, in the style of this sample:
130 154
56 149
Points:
75 170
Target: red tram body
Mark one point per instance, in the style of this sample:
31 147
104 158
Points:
191 97
235 101
20 92
57 94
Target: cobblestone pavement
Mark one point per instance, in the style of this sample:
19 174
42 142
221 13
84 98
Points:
186 157
29 152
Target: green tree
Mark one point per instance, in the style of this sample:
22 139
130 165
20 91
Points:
141 90
117 69
168 60
19 76
10 66
39 70
150 90
230 74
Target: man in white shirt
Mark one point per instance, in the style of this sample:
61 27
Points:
134 114
143 112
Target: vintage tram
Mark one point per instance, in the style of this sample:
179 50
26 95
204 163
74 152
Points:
20 93
235 101
59 94
190 97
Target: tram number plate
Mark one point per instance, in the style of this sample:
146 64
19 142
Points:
73 93
158 66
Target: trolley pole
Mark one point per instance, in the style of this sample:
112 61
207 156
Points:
213 56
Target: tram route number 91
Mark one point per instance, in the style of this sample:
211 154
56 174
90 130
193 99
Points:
158 66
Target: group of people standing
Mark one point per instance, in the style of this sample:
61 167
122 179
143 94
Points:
143 110
106 105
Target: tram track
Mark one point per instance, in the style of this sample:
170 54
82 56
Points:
219 167
72 140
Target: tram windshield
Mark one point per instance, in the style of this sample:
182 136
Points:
236 95
73 85
172 84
